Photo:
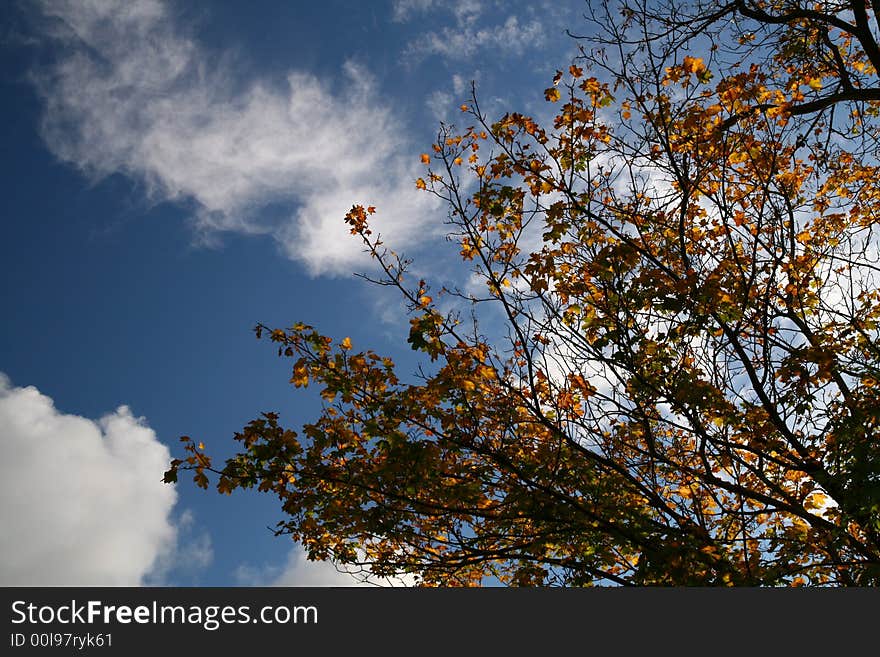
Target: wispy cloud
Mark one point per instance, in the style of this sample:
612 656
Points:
403 10
81 501
493 27
134 93
444 103
512 37
464 10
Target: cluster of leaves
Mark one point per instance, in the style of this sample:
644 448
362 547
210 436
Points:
685 390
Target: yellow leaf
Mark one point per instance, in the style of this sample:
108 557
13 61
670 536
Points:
815 83
420 183
426 159
300 376
551 94
816 501
694 65
346 344
804 237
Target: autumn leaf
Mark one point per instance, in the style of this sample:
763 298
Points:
300 376
657 362
694 65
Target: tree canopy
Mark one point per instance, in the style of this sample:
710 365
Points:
668 371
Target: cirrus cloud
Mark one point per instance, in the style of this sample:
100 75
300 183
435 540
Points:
133 92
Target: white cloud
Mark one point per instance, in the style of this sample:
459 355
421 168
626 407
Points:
299 571
133 93
464 10
441 104
475 27
81 502
444 104
184 559
461 86
463 41
403 10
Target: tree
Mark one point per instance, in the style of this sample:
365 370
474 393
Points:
684 387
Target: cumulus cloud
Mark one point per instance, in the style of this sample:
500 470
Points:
134 93
81 501
184 559
299 571
296 571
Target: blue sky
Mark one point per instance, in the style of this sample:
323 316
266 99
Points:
174 172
